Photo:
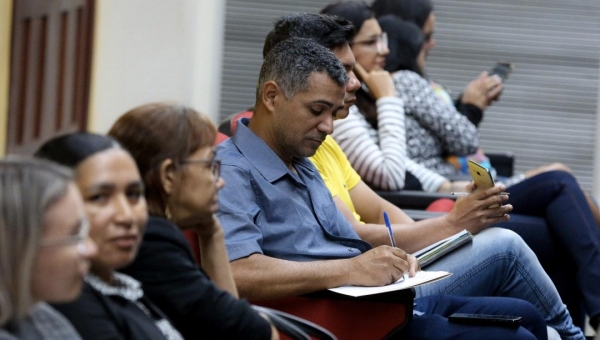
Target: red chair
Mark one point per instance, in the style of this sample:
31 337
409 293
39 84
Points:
441 205
229 124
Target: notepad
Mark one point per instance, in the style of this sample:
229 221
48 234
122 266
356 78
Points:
422 277
428 255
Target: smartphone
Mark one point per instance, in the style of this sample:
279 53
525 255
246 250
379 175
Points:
502 70
486 320
482 177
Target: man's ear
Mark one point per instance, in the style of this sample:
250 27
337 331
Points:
168 175
270 94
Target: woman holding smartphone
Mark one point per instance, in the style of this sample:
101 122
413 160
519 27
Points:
555 219
380 156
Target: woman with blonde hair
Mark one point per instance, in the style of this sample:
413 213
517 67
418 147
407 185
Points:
44 248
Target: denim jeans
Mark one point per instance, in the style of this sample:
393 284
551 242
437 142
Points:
433 322
569 246
499 263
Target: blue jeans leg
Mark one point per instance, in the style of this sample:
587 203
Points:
557 197
555 260
433 324
499 263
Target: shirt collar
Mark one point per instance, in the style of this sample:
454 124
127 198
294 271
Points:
124 286
262 156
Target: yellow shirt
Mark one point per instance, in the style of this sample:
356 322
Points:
336 171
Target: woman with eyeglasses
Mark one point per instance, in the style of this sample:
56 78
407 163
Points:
550 211
385 164
173 148
112 305
44 248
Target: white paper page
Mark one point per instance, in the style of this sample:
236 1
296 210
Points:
420 278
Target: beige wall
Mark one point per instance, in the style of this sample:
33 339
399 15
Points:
5 29
155 50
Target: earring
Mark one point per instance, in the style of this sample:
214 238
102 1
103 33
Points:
168 213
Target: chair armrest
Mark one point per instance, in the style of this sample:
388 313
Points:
503 163
418 215
412 199
295 327
459 177
378 316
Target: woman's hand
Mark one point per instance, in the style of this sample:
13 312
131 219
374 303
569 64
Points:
208 227
380 83
482 90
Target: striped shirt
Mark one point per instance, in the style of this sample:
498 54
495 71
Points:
379 155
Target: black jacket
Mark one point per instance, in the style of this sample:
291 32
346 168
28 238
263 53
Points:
181 289
97 316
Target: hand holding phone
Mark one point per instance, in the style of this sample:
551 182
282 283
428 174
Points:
502 70
378 83
481 176
486 320
482 90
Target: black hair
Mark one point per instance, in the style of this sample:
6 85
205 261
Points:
326 30
291 62
71 149
405 41
357 12
416 11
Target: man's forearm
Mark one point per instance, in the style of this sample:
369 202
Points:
411 236
260 277
418 235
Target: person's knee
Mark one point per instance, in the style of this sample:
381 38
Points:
500 239
504 243
558 167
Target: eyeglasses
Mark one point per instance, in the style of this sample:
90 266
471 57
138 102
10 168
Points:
379 43
215 165
79 239
428 37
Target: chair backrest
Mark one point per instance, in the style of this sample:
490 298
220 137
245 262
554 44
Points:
228 125
441 205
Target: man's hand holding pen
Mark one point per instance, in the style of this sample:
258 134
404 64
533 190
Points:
381 266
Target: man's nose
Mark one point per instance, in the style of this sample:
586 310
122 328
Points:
326 125
353 84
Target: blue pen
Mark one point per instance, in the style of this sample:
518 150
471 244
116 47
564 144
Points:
389 228
388 225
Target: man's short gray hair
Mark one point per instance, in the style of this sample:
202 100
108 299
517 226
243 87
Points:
291 62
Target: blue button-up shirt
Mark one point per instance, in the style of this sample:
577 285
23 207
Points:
266 208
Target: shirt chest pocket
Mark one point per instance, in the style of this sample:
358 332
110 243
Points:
329 218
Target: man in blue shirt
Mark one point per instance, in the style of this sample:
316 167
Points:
284 235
